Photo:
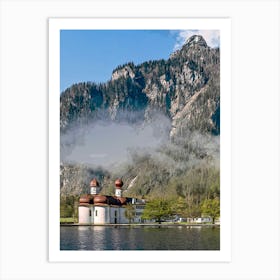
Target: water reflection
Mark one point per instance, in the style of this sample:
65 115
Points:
139 238
116 239
84 239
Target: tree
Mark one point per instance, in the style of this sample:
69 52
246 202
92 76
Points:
180 206
211 208
187 209
157 209
69 207
129 212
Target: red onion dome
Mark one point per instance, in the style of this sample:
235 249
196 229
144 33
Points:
94 183
118 183
84 199
100 199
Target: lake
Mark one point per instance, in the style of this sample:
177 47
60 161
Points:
140 237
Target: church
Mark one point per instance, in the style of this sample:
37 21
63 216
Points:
95 208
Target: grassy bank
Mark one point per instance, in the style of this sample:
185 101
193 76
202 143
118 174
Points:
69 220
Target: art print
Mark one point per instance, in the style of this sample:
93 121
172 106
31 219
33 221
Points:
138 163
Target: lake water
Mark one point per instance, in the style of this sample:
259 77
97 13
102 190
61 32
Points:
139 238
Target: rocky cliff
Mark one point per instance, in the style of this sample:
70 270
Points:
185 88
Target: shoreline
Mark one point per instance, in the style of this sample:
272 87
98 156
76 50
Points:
142 225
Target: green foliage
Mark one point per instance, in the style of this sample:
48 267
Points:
211 207
69 220
87 100
185 169
158 209
187 209
69 207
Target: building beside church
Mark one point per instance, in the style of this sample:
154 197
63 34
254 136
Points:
95 208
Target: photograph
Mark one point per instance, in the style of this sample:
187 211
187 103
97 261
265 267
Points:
145 137
139 140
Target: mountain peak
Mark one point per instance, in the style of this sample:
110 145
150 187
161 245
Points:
196 40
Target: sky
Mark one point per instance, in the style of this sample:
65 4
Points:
92 55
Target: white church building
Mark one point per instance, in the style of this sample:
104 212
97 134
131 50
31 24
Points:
95 208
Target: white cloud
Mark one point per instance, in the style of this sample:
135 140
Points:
212 37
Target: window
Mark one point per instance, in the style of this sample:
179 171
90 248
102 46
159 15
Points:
89 212
95 212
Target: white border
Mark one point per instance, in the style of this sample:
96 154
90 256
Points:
24 139
222 24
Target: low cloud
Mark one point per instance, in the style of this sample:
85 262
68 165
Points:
107 144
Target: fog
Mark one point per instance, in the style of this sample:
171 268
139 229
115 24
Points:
109 143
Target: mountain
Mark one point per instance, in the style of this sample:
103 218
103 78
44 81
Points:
184 87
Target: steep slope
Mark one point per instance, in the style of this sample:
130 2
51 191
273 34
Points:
185 88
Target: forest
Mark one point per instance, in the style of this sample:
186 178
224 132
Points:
179 98
184 173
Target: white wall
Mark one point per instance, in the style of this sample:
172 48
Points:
105 214
255 105
101 214
84 215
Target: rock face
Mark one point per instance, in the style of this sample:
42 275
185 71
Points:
74 179
185 88
125 72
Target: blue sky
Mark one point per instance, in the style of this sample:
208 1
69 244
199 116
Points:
91 55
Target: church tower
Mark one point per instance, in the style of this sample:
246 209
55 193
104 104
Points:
94 187
118 184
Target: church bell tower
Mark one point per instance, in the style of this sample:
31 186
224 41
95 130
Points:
118 184
94 187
